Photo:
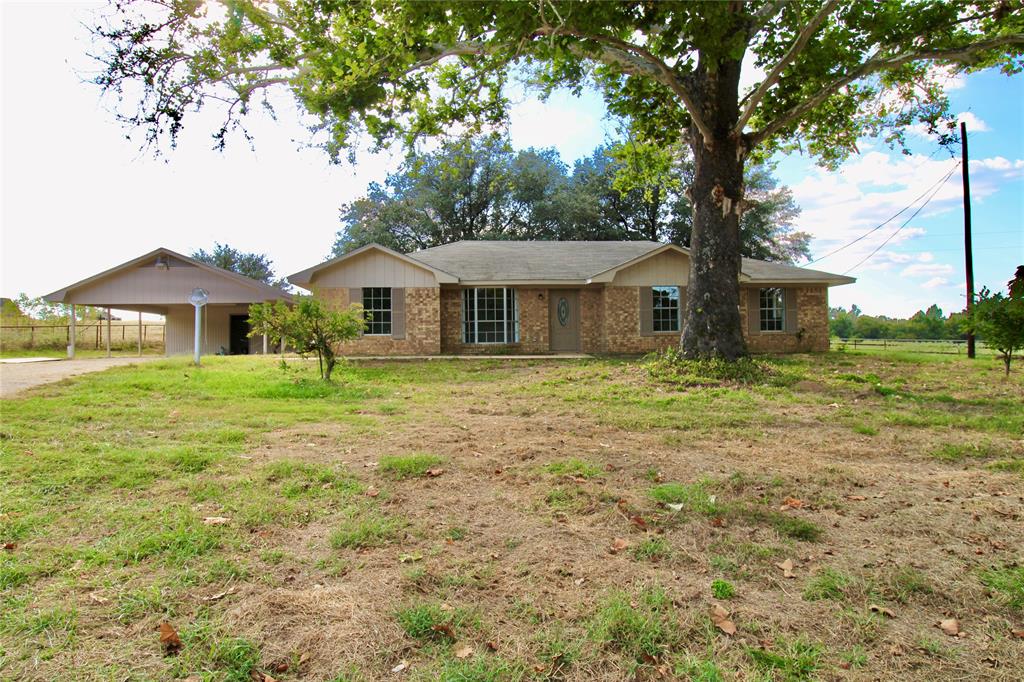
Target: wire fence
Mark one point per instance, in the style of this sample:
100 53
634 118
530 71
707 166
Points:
942 347
88 334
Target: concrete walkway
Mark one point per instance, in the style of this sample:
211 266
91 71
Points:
17 377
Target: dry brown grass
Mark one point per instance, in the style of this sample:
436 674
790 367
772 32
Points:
523 555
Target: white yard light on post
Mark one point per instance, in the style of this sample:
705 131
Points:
198 298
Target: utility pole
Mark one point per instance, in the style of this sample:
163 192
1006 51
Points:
968 254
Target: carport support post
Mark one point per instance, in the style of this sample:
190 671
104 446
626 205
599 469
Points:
265 344
140 333
108 332
71 334
198 326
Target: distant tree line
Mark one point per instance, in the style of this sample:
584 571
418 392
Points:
479 188
924 324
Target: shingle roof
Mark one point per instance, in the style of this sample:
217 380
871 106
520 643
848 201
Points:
510 261
542 260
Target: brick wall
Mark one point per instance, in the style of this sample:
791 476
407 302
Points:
812 324
422 325
533 324
622 324
592 320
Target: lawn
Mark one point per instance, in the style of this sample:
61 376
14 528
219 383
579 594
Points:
493 520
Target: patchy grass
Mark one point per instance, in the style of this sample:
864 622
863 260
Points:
1007 583
640 627
827 584
409 466
280 523
574 467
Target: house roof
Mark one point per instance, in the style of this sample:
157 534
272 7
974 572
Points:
583 261
270 292
502 261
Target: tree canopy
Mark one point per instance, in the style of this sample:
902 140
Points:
833 72
479 188
258 266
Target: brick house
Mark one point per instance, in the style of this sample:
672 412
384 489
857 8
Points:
550 297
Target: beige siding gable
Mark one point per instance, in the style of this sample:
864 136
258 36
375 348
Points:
374 268
162 286
666 268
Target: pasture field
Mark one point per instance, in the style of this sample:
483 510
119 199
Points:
841 516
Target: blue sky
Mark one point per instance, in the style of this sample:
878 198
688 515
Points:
78 198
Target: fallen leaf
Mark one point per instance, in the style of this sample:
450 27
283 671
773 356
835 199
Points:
856 498
639 522
9 546
618 544
169 639
791 503
1019 634
875 608
444 629
718 522
951 626
720 617
464 651
372 492
434 473
409 558
98 598
492 645
787 568
216 520
400 667
675 507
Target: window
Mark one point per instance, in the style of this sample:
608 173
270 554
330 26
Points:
772 309
377 309
666 309
490 316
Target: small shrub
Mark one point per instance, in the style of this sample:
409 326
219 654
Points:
579 468
722 589
828 584
409 466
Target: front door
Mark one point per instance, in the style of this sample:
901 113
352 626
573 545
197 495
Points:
239 335
564 307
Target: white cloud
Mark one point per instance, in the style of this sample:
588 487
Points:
974 123
925 269
935 282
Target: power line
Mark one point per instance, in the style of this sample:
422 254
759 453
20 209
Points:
894 217
906 222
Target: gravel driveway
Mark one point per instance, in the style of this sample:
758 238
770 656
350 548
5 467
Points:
15 378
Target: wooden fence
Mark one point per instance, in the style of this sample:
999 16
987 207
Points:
88 334
942 347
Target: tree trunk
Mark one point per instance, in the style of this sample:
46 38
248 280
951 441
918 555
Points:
713 326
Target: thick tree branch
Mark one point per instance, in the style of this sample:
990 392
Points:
773 76
620 52
965 54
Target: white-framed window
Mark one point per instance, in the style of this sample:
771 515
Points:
772 309
490 315
666 309
377 309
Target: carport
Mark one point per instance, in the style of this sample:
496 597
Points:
160 282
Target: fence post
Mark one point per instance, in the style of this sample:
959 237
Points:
32 336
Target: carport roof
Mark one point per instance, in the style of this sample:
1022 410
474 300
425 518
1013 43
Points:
271 293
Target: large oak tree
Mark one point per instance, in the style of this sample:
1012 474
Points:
833 71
